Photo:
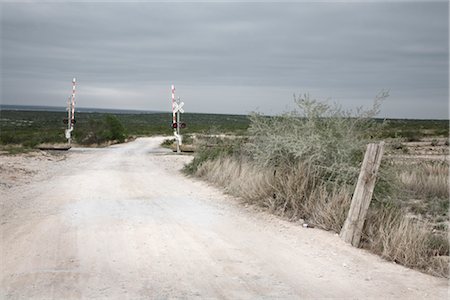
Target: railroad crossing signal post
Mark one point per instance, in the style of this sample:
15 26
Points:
70 114
177 109
178 128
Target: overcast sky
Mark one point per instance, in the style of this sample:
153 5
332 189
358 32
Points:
227 57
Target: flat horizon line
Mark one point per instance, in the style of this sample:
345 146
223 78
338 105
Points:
23 107
50 108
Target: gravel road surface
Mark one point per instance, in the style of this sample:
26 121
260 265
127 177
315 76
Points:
123 223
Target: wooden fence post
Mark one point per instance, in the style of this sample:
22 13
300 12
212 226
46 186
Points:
352 229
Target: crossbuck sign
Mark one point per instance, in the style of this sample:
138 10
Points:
178 107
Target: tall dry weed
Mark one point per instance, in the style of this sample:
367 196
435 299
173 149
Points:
329 208
294 193
238 178
427 179
389 233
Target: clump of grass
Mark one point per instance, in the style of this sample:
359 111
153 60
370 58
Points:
239 178
16 149
398 145
212 147
167 143
292 193
426 179
389 233
412 136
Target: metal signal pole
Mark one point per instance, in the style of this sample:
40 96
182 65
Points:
178 128
174 119
72 121
71 113
177 109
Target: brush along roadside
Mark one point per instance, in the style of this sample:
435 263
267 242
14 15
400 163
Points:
389 230
304 165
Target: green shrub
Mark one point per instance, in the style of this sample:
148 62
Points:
8 138
167 143
328 138
438 244
31 143
115 129
412 136
399 145
99 131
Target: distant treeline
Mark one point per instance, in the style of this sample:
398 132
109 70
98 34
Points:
30 128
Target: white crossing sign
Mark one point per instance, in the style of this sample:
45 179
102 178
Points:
178 107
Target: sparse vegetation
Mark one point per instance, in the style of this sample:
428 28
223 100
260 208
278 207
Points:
304 165
167 143
406 241
425 180
99 131
30 128
301 165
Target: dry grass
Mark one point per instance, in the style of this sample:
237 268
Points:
406 241
304 164
426 179
297 193
293 193
238 178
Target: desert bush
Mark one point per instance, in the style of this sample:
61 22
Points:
8 138
99 131
31 142
304 165
114 129
398 144
412 136
308 160
326 137
167 143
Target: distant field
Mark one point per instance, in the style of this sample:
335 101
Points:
29 128
414 130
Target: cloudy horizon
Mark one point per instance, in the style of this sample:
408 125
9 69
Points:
227 57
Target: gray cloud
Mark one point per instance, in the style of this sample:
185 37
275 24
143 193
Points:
227 57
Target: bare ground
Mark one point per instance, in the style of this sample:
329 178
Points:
123 223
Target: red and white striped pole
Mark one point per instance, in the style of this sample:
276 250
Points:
175 122
174 117
73 103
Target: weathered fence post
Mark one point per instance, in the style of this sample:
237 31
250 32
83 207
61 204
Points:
352 229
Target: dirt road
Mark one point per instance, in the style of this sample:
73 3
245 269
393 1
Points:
123 223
